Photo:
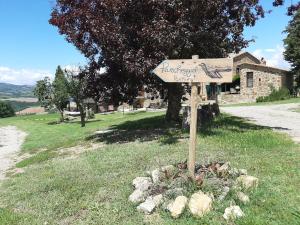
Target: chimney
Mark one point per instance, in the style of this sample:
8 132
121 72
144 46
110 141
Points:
263 61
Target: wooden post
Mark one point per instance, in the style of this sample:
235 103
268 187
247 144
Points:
193 129
195 71
193 126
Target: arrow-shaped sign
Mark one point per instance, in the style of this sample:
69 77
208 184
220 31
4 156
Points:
196 70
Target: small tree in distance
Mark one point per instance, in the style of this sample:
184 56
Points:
43 91
6 110
55 94
60 92
76 87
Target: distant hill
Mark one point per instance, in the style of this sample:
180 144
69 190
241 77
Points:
15 91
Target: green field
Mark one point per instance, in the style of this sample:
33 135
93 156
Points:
18 106
93 188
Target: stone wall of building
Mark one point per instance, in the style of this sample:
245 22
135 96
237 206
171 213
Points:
264 79
224 99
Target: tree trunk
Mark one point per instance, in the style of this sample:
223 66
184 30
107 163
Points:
61 116
82 115
96 107
175 92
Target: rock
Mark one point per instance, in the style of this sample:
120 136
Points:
234 172
205 115
176 208
150 204
139 180
233 212
243 172
248 181
200 204
169 171
137 196
182 165
236 188
157 199
147 207
142 183
157 176
243 197
104 131
174 193
224 193
224 169
199 179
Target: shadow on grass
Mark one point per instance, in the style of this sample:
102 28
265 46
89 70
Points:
86 122
230 124
156 128
73 122
237 124
147 129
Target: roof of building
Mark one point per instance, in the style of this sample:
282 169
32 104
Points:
242 54
31 110
258 63
263 67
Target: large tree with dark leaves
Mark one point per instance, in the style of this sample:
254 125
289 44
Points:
130 37
292 45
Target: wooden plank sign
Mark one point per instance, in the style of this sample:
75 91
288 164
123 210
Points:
195 71
218 70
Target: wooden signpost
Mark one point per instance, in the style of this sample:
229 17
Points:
195 71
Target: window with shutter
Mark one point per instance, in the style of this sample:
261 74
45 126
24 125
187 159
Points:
250 79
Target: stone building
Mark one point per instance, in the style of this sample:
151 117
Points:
253 79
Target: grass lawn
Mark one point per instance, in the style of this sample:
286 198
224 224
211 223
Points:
291 100
94 187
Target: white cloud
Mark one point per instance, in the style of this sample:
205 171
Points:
30 76
270 50
72 69
273 56
22 76
75 69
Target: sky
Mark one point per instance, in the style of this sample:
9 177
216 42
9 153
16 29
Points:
31 48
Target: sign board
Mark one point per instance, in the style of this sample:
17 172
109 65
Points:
218 70
195 71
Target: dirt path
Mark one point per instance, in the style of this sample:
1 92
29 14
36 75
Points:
11 140
278 117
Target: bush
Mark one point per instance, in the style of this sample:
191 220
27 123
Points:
6 110
276 95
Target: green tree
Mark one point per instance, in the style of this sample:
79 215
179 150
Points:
292 45
55 93
131 37
6 110
60 95
43 91
76 88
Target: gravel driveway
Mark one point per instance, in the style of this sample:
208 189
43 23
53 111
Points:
278 117
11 140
